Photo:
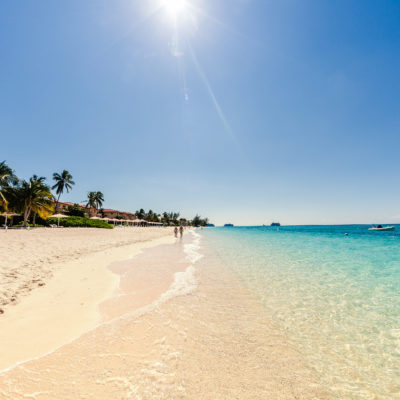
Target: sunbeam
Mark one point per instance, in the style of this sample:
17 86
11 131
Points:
218 108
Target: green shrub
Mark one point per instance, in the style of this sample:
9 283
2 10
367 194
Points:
75 222
76 211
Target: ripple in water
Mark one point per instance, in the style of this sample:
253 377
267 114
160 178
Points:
336 297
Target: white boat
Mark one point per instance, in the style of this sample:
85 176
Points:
381 228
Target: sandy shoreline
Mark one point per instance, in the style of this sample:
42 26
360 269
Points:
180 326
30 257
66 305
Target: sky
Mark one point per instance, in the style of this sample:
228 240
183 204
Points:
242 111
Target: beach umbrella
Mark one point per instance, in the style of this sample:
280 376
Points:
8 214
95 218
58 216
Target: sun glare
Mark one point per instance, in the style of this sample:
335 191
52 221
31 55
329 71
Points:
175 7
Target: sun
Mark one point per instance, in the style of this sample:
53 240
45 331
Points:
175 7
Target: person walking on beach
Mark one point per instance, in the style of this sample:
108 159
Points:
181 230
176 231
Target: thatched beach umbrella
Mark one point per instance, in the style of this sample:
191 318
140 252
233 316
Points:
58 216
95 218
8 214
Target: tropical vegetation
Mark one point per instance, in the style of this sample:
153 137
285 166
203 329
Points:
32 196
63 182
76 211
94 201
170 218
72 222
198 221
7 179
32 201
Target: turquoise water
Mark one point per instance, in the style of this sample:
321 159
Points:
336 297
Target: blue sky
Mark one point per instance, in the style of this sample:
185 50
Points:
256 111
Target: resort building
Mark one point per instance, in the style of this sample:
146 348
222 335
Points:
110 213
63 206
102 213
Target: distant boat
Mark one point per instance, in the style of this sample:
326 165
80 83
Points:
210 225
275 224
227 225
381 228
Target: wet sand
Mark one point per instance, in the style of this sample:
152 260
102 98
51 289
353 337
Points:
180 327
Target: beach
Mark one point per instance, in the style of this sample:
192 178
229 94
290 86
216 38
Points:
170 322
30 257
241 313
53 276
197 200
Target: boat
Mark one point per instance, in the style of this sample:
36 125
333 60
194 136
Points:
275 224
228 225
381 228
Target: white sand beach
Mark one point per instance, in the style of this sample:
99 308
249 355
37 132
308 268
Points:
52 281
29 258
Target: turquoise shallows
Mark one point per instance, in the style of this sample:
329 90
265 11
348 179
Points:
336 297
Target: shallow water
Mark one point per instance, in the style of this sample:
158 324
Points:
336 298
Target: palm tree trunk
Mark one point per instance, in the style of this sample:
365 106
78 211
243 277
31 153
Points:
27 213
34 220
58 200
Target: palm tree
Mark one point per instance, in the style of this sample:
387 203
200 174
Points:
33 196
91 203
95 200
63 181
140 214
156 217
174 216
7 178
149 216
99 198
196 221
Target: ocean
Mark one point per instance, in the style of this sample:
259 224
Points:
336 297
